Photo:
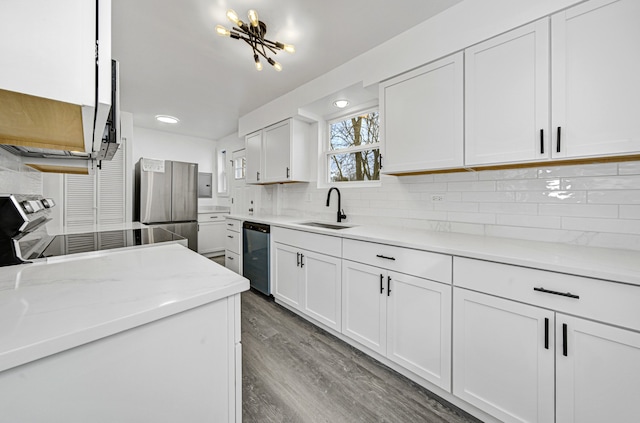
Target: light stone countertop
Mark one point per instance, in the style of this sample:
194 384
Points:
602 263
46 308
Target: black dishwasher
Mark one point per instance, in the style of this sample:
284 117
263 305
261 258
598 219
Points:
256 265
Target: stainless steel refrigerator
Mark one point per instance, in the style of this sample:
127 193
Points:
167 196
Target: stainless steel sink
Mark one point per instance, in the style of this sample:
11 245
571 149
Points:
325 225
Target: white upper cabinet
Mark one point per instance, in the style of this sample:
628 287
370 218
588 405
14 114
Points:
278 153
507 97
422 118
596 90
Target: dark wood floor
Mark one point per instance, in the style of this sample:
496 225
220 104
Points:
296 372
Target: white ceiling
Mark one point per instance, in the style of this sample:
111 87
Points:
173 62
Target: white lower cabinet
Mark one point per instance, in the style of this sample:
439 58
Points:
597 376
306 280
233 245
502 360
405 318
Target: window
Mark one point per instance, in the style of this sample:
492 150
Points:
353 152
223 185
239 167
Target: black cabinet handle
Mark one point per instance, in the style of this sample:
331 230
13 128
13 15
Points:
297 259
287 173
230 258
559 138
381 287
229 236
542 141
258 176
563 294
385 257
546 333
380 157
388 285
564 339
301 260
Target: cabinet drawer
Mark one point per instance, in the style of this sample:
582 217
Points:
232 261
423 264
211 217
233 241
324 244
233 225
605 301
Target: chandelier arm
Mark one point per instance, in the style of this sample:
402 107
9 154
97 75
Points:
272 44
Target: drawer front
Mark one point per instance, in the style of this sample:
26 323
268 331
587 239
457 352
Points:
605 301
233 241
234 225
423 264
211 217
324 244
232 261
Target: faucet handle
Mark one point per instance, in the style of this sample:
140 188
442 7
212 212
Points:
342 215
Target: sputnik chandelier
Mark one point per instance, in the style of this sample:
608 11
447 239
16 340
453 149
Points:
253 34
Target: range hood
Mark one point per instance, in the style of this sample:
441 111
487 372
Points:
54 136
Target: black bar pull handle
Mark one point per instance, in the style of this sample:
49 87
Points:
301 260
546 333
287 173
385 257
297 259
388 285
381 287
564 339
559 139
563 294
258 176
542 141
380 157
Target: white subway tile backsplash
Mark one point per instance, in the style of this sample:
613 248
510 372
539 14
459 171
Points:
529 221
614 197
594 205
579 210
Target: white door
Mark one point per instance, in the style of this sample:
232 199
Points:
276 152
503 357
507 97
419 327
421 115
286 274
595 68
598 375
364 305
321 283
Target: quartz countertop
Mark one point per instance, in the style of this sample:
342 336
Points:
46 308
603 263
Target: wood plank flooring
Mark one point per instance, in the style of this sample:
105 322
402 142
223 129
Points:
296 372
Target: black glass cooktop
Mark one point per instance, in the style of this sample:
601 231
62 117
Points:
62 245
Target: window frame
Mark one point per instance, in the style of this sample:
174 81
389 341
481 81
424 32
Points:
326 152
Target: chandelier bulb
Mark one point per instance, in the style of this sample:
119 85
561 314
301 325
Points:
289 48
222 31
253 18
277 66
233 17
258 64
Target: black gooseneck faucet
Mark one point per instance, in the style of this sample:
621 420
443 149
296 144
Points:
341 214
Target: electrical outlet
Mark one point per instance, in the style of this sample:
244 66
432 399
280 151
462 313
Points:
437 197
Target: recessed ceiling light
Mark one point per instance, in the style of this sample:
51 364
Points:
167 119
341 104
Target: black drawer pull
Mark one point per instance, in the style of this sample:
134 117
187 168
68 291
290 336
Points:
564 294
381 287
297 259
388 285
230 258
229 236
542 141
385 257
301 260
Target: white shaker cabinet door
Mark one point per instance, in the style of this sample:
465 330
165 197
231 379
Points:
253 152
596 88
419 327
422 118
321 280
503 357
507 97
286 274
597 372
277 152
364 305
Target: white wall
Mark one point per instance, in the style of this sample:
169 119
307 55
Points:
154 144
